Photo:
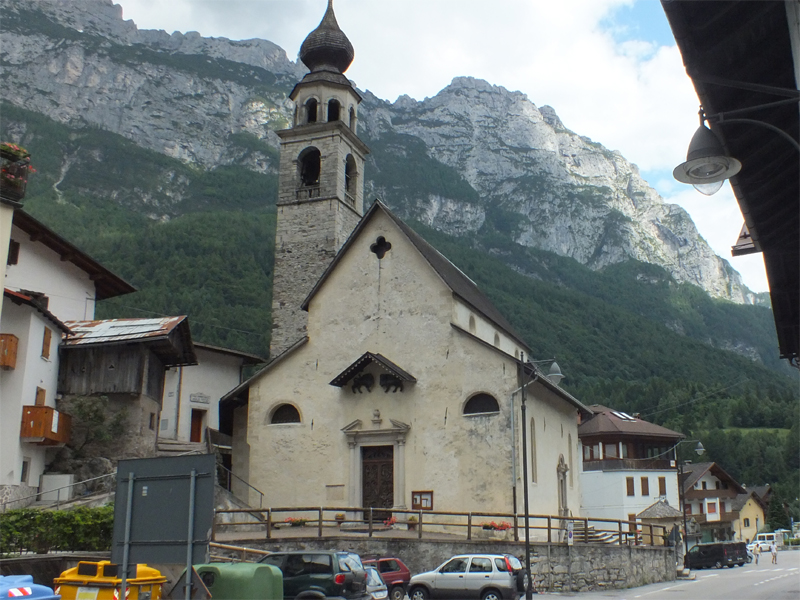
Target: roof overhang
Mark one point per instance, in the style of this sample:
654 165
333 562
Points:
107 285
367 359
740 55
20 299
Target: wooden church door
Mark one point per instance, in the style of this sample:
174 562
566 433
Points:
377 480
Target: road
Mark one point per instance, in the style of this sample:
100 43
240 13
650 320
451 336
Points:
764 581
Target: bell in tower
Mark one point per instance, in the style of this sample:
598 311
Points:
321 188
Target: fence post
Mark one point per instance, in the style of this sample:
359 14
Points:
370 521
469 526
419 532
319 526
586 531
269 524
652 540
619 525
549 529
214 527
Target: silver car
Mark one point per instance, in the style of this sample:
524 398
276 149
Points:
467 576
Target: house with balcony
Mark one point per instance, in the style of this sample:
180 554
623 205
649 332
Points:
711 502
628 465
48 281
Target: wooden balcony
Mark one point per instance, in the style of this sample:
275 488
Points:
44 426
8 351
724 517
627 464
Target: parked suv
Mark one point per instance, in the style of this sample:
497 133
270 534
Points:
394 572
466 576
718 555
317 575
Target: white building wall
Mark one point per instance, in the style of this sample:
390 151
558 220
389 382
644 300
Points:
18 389
605 493
70 291
197 387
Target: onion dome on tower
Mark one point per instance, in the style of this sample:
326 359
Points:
327 47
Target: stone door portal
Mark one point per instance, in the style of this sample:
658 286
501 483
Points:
377 477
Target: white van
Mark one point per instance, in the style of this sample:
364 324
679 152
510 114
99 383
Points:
764 541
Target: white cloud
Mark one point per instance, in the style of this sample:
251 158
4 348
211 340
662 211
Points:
632 96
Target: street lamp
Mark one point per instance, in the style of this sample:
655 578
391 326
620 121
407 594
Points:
707 166
700 450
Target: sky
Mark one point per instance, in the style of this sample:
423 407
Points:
609 68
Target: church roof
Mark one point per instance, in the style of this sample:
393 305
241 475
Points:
327 47
366 359
453 277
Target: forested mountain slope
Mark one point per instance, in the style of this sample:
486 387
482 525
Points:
157 155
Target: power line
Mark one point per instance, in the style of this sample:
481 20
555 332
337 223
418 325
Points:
693 400
150 312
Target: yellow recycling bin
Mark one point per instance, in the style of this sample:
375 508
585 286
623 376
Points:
101 581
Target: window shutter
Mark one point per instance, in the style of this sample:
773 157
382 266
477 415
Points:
48 335
40 396
13 253
629 483
662 486
645 486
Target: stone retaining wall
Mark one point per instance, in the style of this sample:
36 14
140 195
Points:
556 567
10 496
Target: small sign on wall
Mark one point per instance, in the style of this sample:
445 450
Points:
54 424
570 533
200 398
422 500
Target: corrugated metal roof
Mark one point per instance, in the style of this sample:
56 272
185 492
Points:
120 330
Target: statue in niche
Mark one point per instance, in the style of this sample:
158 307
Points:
391 381
363 380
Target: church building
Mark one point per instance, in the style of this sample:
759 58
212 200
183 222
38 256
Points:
394 382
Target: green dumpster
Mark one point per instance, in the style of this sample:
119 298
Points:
242 581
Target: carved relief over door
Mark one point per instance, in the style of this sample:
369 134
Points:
377 469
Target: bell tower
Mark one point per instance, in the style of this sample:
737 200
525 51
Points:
321 185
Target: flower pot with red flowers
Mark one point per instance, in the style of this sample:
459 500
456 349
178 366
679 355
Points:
15 165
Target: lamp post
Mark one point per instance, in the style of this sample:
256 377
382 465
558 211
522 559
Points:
528 590
699 449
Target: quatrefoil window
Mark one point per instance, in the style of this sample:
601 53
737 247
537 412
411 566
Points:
380 247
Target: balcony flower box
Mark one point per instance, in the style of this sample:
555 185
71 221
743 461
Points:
15 166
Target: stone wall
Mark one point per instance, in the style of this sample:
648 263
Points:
10 496
556 567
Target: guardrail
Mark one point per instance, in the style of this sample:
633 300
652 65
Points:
425 523
58 501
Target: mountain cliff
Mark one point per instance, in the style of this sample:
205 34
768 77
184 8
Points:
476 160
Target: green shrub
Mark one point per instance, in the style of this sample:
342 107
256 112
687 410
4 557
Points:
40 531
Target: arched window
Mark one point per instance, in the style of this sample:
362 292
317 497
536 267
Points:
311 110
309 166
333 110
353 118
350 175
285 413
480 404
496 339
532 442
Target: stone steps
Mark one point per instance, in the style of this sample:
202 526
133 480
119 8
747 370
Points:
177 448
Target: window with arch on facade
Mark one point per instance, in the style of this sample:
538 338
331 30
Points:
481 404
352 123
334 110
350 175
309 166
284 413
311 110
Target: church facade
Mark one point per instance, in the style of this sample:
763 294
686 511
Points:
394 383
